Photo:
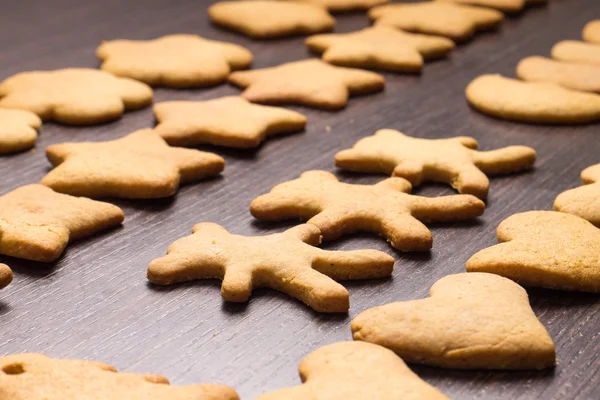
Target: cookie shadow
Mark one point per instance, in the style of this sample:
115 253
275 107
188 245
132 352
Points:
150 205
549 299
437 375
34 269
4 307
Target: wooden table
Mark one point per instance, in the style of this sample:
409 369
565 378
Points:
95 302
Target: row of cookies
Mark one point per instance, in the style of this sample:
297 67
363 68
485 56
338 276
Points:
564 89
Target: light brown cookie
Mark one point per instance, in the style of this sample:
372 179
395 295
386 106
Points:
336 6
308 82
18 130
137 166
534 102
355 371
6 276
173 60
454 21
591 31
267 19
506 6
386 208
191 123
583 201
576 76
286 261
37 223
455 161
37 377
579 52
545 249
79 96
470 321
380 47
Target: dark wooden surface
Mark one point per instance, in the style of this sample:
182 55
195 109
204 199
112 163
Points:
95 303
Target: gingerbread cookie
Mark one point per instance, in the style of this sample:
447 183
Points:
173 60
336 6
583 201
307 82
579 52
380 47
584 77
591 31
267 19
355 371
454 21
138 166
455 161
286 261
37 223
18 130
535 102
470 321
545 249
37 377
386 208
191 123
78 96
6 276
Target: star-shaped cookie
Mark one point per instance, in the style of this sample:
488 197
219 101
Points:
546 249
355 371
455 161
455 21
336 6
138 166
380 47
268 19
18 130
534 102
191 123
286 261
78 96
173 60
37 223
307 82
583 201
37 377
386 208
6 276
470 321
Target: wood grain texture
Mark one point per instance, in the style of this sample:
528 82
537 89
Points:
95 302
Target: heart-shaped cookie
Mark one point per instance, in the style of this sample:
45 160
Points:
473 320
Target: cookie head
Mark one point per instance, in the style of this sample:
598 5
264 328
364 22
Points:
18 130
583 201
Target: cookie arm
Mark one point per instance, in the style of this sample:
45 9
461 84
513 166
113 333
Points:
358 264
43 243
446 208
504 161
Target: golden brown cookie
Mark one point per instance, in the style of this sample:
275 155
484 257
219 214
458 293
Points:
37 223
545 249
386 208
79 96
6 276
286 261
336 6
18 130
37 377
457 22
173 60
470 321
380 47
583 201
267 19
137 166
355 371
191 123
308 82
534 102
591 31
455 161
579 52
576 76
